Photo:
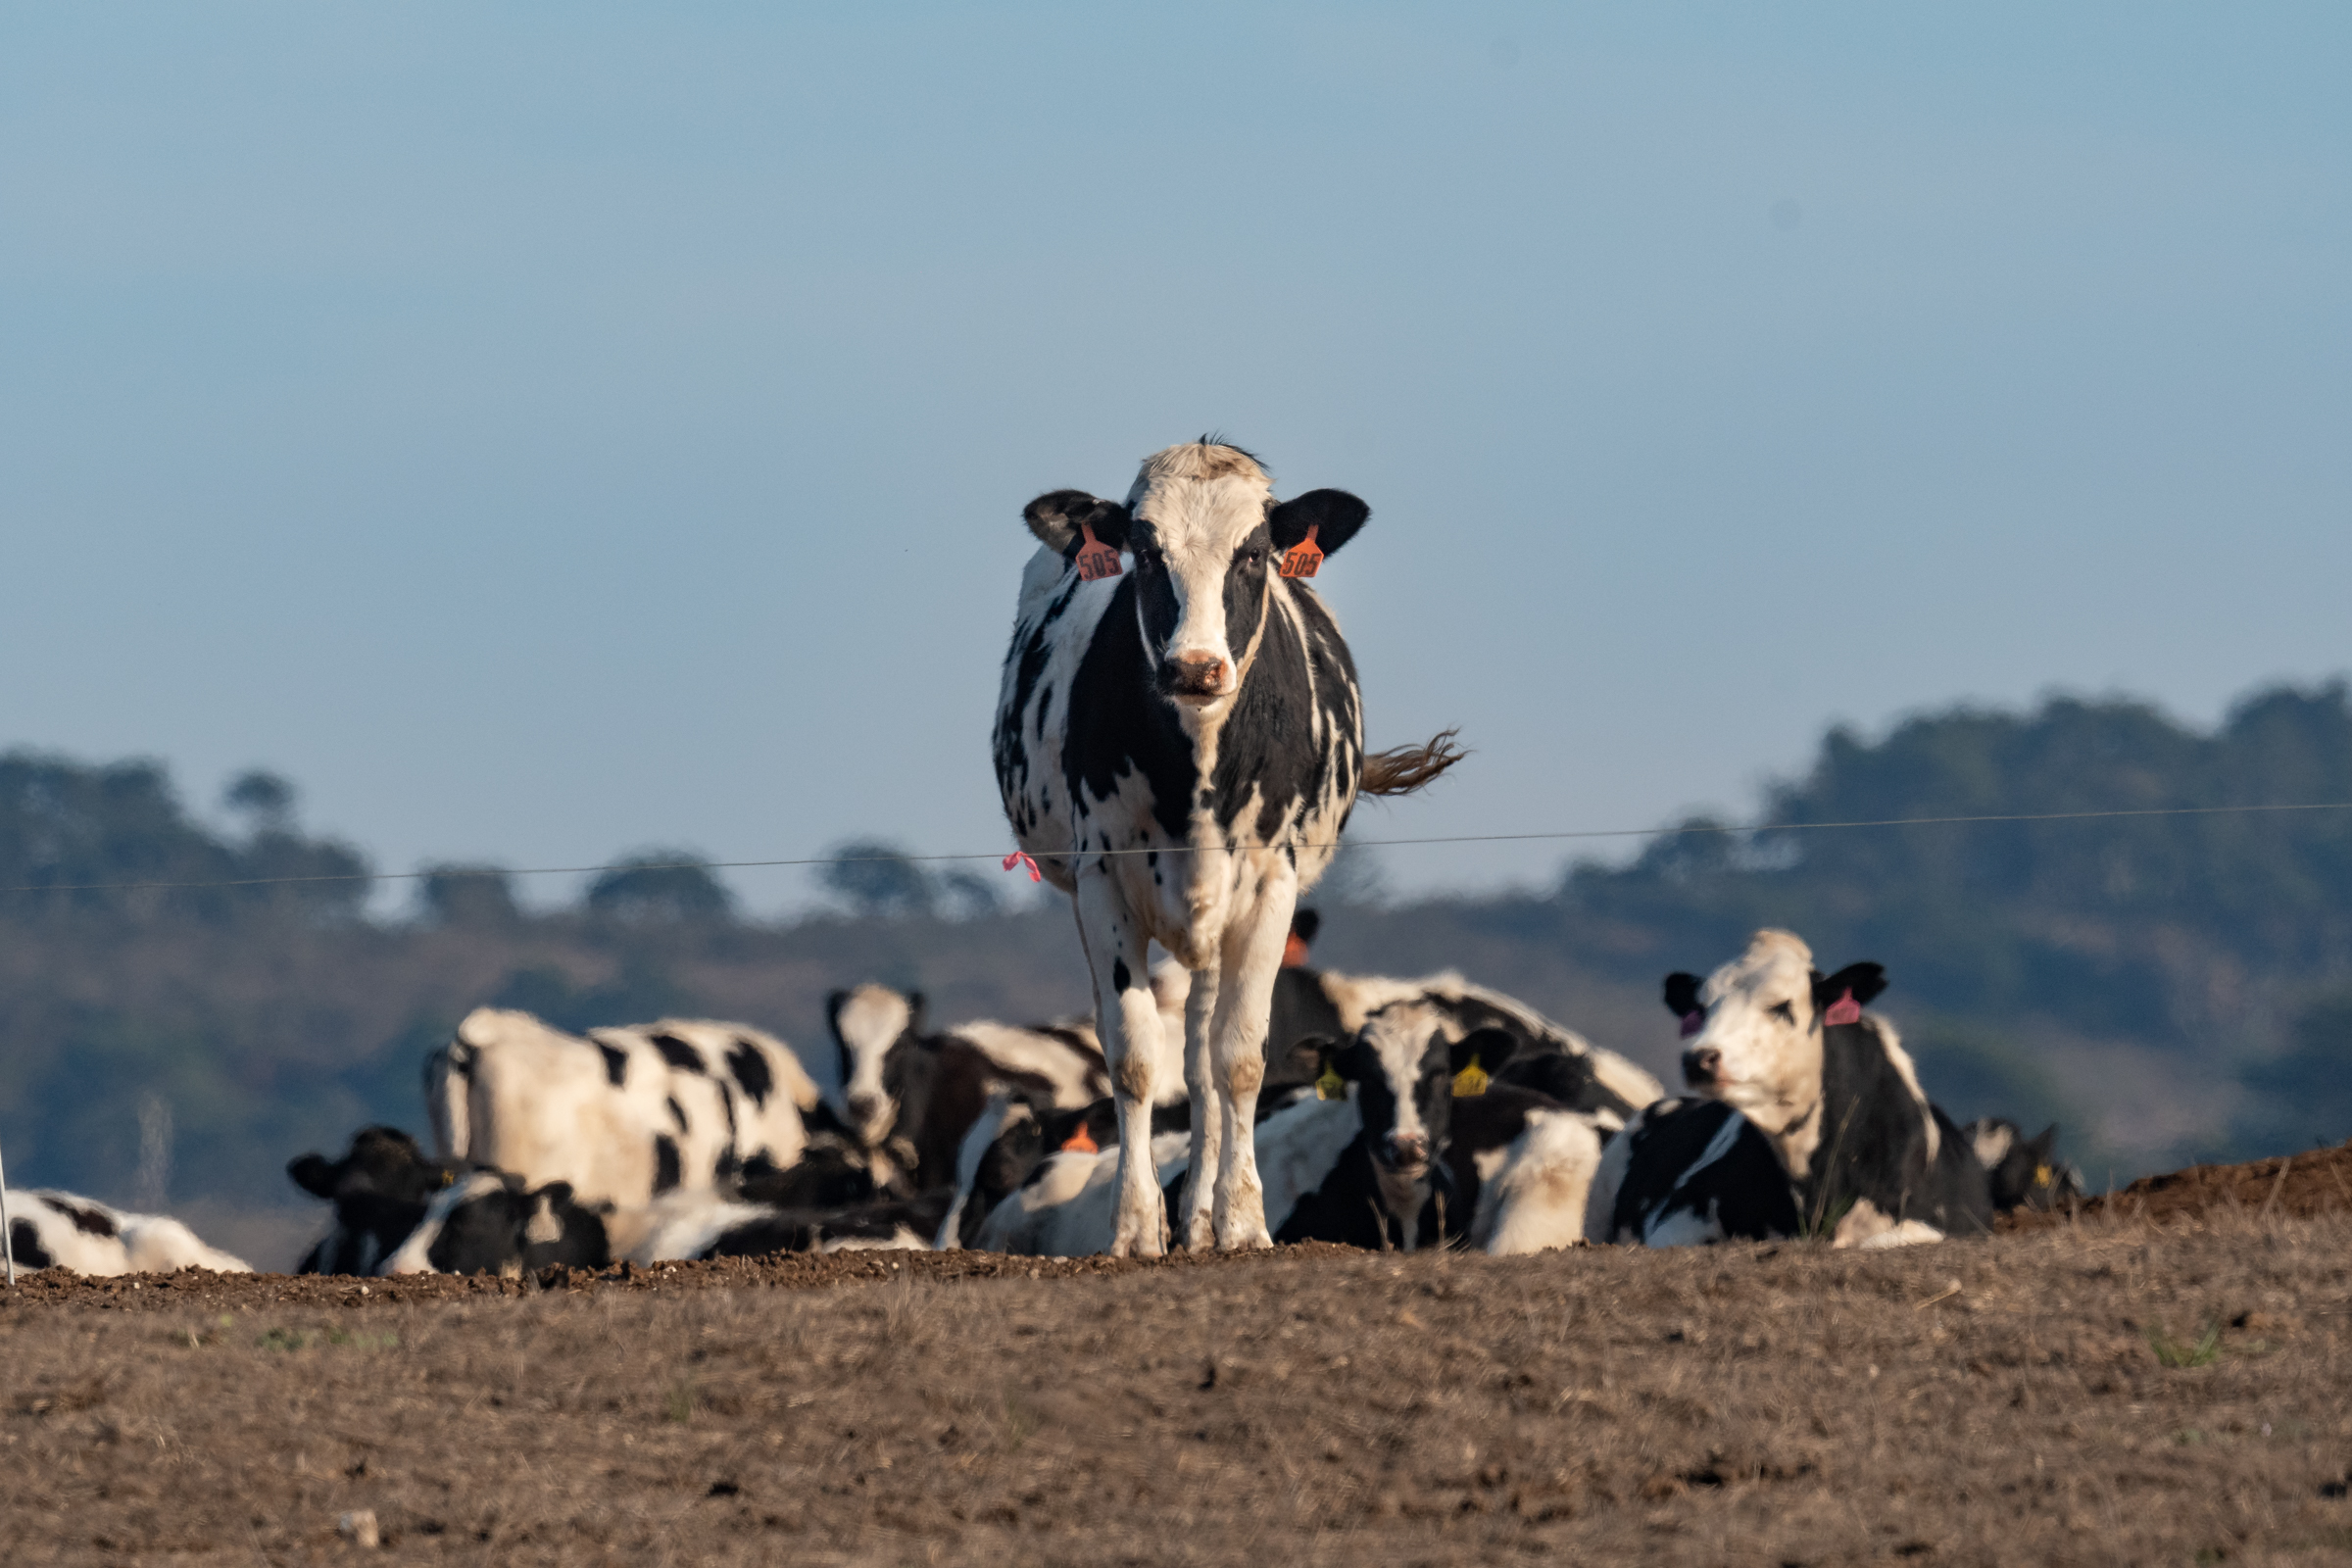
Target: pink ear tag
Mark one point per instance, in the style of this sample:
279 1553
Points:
1016 858
1096 559
1304 559
1693 1022
1845 1010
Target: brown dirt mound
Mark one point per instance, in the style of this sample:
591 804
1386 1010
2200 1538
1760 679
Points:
2099 1393
2318 1182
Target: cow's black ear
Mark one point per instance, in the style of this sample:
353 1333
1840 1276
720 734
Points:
916 1007
1055 518
1313 1054
2044 1144
1334 515
1681 994
1304 924
313 1174
1490 1048
1863 980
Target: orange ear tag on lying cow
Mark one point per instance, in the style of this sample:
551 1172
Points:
1470 1081
1078 1143
1096 559
1303 558
1331 1085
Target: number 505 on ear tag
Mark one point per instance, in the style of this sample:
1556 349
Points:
1303 559
1096 559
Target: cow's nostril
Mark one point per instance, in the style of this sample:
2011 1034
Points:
1700 1066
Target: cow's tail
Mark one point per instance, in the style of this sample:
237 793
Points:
448 1089
1402 769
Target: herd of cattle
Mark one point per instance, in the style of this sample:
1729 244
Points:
1403 1113
1179 743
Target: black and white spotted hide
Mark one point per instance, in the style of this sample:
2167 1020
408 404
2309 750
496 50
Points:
380 1189
494 1222
49 1229
1873 1162
1178 747
1686 1172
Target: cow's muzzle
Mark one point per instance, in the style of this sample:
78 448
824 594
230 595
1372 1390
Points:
1701 1068
1195 677
1406 1153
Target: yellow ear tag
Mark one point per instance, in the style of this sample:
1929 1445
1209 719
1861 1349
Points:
1331 1085
1471 1080
2041 1175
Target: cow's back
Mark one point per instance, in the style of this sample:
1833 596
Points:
550 1106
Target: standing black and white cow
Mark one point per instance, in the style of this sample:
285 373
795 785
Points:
1871 1161
909 1095
1178 747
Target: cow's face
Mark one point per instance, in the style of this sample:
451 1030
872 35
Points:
1753 1029
380 1189
1207 536
868 1025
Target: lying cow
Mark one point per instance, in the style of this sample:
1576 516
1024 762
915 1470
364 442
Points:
1866 1157
1326 1004
489 1222
1686 1172
909 1095
1394 1156
380 1189
82 1235
2025 1172
624 1114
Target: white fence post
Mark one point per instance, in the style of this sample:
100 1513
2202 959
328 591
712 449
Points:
8 1246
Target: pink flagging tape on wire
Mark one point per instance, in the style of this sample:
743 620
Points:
1016 858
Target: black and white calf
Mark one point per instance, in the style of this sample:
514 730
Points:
908 1095
2025 1172
1833 1089
1178 747
624 1114
380 1189
61 1230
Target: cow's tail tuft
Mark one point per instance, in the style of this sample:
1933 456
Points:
1402 769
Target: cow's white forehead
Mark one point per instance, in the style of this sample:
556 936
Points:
1199 497
1398 1034
871 1018
1777 967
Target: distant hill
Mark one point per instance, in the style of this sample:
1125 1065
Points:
2170 986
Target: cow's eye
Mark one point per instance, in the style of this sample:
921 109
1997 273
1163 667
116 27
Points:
1252 556
1784 1012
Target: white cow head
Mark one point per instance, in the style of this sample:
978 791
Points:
868 1021
1753 1029
1207 536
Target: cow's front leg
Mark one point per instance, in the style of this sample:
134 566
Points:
1128 1021
1253 955
1199 1078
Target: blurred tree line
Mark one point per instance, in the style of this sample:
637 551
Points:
244 1020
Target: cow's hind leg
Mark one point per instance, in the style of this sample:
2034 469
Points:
1252 954
1199 1077
1128 1021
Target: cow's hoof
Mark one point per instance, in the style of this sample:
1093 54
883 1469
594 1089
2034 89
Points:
1258 1241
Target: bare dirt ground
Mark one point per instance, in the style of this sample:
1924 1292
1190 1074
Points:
2125 1386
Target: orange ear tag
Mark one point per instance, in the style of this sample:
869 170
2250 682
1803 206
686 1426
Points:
1096 559
1078 1143
1303 558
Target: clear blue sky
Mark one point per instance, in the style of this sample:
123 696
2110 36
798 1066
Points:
547 430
